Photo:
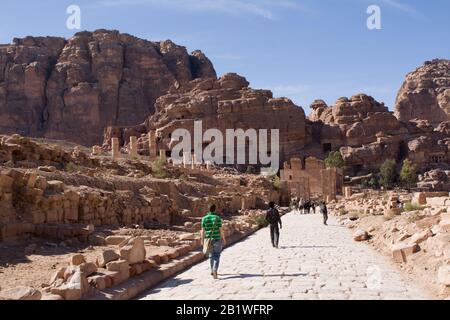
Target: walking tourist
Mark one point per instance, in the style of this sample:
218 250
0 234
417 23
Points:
273 218
213 238
301 202
307 206
324 211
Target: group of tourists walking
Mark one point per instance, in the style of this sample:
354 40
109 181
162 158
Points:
308 206
213 236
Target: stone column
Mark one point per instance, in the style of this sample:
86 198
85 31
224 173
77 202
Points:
115 148
348 192
208 165
186 157
133 146
194 161
162 155
152 145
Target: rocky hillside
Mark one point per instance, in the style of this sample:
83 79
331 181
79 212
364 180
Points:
224 103
57 88
425 94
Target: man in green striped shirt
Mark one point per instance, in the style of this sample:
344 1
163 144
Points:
212 229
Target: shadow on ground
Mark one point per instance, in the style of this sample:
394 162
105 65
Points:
306 247
250 275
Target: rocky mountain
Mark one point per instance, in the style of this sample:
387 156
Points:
72 89
103 84
224 103
425 94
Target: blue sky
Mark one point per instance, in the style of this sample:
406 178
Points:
302 49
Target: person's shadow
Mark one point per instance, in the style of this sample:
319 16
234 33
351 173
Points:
250 275
306 247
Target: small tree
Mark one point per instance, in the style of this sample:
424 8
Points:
334 160
408 174
276 182
388 173
158 169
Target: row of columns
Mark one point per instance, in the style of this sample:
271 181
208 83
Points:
191 159
188 158
133 151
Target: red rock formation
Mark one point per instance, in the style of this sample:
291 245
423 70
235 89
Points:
425 94
225 103
73 89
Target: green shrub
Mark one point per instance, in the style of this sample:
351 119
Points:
250 170
334 160
408 174
411 207
388 173
260 221
159 170
276 182
72 167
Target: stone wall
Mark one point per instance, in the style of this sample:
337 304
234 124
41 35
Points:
310 180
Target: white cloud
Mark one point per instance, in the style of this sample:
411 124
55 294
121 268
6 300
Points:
261 8
403 7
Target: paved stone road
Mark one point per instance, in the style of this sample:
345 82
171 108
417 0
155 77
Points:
314 262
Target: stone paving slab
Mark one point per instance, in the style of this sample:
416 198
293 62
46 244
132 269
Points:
313 262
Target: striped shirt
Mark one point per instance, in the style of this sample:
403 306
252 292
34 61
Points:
212 223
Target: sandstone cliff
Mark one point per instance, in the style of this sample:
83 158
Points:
72 89
425 94
224 103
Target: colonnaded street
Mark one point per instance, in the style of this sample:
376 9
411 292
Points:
313 262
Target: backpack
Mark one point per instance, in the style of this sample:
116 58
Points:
272 216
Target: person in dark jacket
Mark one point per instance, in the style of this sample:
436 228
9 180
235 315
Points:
273 218
324 212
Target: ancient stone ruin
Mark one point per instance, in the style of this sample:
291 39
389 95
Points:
310 180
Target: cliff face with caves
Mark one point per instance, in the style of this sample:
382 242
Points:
103 84
72 89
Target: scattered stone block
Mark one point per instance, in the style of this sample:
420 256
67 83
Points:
133 250
21 293
444 275
107 256
115 240
74 288
88 268
96 240
360 235
122 267
162 243
98 282
400 252
445 225
422 236
77 260
187 237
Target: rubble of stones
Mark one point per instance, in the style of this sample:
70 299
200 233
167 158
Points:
71 198
416 236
